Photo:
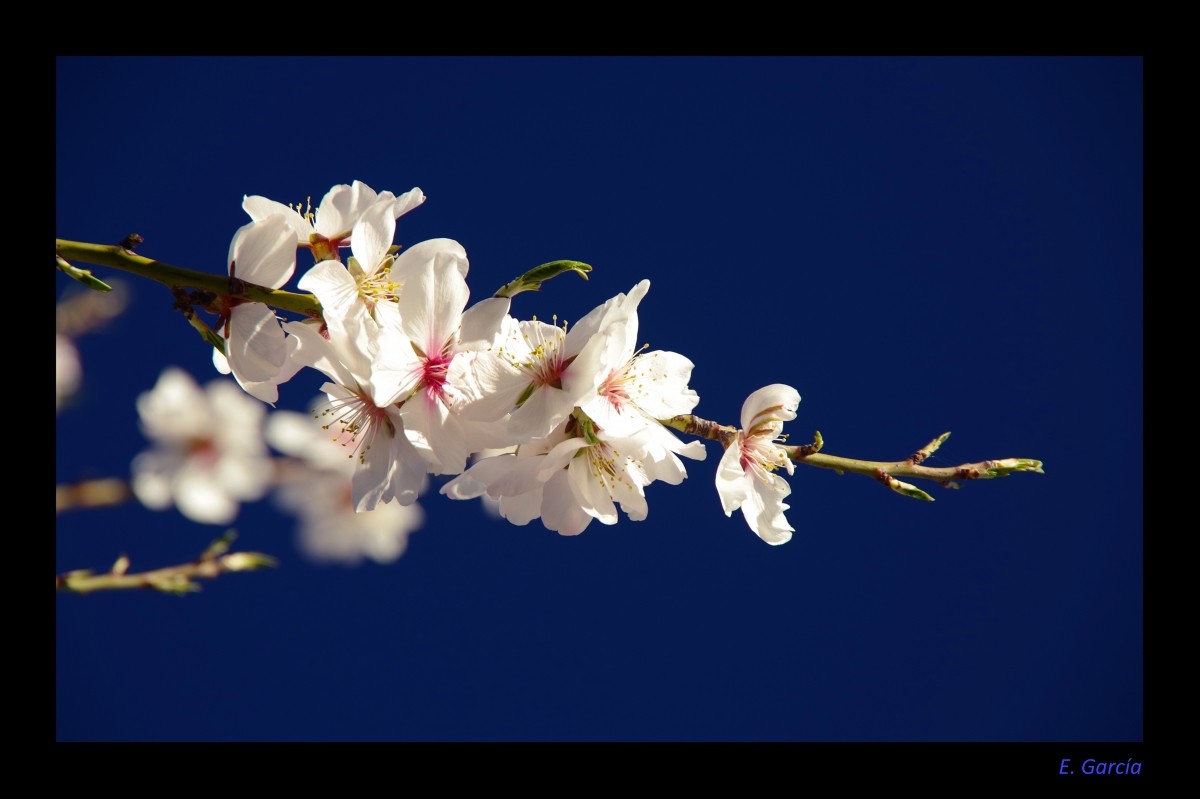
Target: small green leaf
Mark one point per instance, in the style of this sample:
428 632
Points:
82 275
533 279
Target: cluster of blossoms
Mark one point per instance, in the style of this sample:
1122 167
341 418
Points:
564 421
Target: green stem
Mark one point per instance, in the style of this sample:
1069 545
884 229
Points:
176 277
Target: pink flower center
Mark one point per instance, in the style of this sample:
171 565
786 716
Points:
433 375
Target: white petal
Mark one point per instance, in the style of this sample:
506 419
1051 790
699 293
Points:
372 474
431 305
559 457
257 347
545 408
593 497
775 401
263 253
436 431
733 484
335 215
763 511
661 385
396 369
372 236
488 385
410 261
260 208
465 486
560 509
524 508
406 202
482 323
221 362
176 410
313 349
335 288
409 470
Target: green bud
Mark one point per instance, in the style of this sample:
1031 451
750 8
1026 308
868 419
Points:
82 275
533 279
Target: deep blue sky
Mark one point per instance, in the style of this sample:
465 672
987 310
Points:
917 245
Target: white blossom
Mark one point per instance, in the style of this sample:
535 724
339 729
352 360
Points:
746 476
209 454
557 369
330 226
437 365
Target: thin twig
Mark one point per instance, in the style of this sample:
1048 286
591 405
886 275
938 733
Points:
172 579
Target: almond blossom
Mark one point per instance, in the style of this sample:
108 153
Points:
330 226
437 363
320 496
209 454
557 369
746 476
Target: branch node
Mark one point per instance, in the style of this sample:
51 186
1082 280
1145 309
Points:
900 487
130 242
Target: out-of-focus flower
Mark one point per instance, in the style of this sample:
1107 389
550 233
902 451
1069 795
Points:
320 496
746 476
209 454
329 227
255 349
67 372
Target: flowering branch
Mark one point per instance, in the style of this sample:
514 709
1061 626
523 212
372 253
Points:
176 277
885 472
170 580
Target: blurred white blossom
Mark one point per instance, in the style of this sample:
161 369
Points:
208 455
67 372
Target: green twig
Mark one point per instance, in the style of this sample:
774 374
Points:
176 277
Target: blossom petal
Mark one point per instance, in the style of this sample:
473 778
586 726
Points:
256 347
372 236
431 305
259 208
435 432
559 457
221 362
544 409
763 510
263 253
660 388
396 369
560 509
201 498
314 350
595 498
406 202
335 288
776 401
524 508
410 261
482 324
733 484
488 386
